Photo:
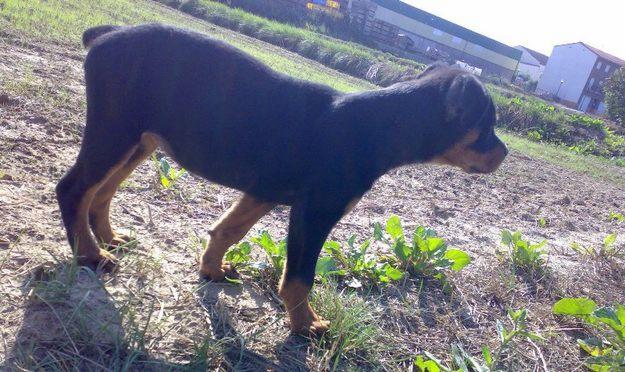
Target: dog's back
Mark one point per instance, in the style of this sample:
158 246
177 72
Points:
208 99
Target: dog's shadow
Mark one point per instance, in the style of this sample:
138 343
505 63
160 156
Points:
290 351
71 322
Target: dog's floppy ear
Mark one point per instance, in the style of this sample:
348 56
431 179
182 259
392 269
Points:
466 100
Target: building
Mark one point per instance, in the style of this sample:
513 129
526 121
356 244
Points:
399 28
532 63
575 74
329 6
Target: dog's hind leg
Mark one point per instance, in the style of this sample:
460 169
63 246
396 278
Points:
229 229
100 206
100 157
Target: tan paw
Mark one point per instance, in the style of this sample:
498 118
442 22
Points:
218 273
105 260
316 328
118 242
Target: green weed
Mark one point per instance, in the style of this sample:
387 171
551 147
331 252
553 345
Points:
424 254
525 257
607 351
276 251
616 216
607 250
463 361
355 263
167 174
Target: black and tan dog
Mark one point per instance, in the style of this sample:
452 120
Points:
226 117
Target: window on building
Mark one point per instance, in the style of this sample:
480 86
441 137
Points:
607 68
591 82
599 64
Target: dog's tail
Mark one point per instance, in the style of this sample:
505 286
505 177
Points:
89 36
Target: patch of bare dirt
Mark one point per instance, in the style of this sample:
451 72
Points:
41 118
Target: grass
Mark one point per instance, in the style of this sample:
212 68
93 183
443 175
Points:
594 166
64 21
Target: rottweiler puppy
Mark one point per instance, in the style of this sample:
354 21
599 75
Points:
225 116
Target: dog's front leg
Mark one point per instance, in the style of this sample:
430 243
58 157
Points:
310 223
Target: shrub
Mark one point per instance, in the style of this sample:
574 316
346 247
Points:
615 96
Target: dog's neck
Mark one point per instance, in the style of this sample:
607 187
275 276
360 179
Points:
393 138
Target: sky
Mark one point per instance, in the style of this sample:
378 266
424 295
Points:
538 25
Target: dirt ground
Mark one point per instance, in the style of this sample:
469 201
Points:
41 118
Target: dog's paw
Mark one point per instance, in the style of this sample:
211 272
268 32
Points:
314 329
218 273
105 260
119 242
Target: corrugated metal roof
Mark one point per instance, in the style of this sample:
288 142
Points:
449 27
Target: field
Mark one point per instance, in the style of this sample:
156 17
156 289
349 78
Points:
154 312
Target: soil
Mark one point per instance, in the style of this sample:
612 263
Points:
41 118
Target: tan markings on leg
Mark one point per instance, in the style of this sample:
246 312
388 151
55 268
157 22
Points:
229 229
100 206
87 250
352 204
302 317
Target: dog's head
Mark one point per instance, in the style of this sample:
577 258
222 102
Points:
469 120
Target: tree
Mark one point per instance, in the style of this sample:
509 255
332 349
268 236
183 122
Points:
615 96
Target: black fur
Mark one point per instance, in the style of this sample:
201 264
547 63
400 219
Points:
234 121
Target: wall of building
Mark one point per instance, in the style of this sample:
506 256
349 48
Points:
534 72
571 63
451 41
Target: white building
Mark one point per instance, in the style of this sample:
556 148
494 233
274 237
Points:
532 63
575 74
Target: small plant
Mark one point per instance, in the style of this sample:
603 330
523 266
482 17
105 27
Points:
425 254
607 352
534 135
607 250
354 262
168 175
239 254
524 256
463 361
542 222
616 216
276 251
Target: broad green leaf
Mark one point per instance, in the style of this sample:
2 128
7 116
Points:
488 358
165 167
609 240
401 250
459 258
426 366
325 266
393 273
165 182
574 306
434 244
331 246
393 228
